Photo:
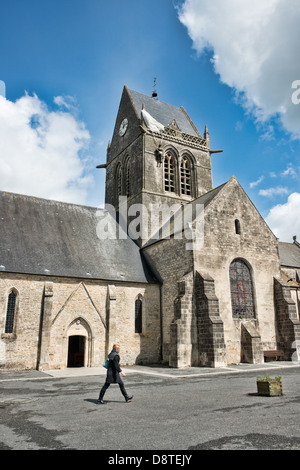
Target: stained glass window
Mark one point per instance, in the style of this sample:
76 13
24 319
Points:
138 315
10 313
241 290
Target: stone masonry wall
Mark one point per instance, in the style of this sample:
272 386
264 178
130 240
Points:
171 261
183 340
210 331
49 312
154 171
288 324
256 246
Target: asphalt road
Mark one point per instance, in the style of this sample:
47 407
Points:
171 411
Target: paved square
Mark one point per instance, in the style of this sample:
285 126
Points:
172 410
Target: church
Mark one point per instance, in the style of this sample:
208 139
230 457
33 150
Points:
174 270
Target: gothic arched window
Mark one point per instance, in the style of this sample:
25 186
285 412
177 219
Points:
138 315
10 312
127 178
241 290
186 176
119 180
169 172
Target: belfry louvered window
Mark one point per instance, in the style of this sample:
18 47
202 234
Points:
241 290
185 176
119 180
10 312
138 315
169 172
127 178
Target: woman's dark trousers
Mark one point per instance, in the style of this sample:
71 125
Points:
105 387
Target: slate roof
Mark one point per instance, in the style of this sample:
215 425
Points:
163 112
289 254
44 237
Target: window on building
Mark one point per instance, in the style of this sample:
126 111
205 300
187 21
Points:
169 172
241 290
127 178
237 227
119 180
138 315
186 176
10 312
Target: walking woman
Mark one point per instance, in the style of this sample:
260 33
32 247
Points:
113 375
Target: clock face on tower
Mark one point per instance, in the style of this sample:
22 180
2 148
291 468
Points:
123 127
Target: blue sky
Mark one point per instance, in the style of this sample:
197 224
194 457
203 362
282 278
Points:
66 62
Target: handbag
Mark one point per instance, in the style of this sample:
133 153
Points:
106 364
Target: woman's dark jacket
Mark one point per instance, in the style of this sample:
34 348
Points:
114 369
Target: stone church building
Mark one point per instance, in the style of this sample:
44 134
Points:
76 279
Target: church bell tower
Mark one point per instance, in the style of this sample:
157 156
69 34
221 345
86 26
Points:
156 156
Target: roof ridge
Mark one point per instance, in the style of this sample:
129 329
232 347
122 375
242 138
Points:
153 239
210 191
47 200
150 98
191 122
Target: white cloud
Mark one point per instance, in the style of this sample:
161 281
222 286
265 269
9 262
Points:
256 44
284 219
289 171
257 182
67 102
41 149
2 88
271 192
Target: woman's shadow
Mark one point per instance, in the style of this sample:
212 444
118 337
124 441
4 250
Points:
106 402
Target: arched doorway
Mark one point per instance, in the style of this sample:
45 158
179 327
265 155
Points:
76 351
79 344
